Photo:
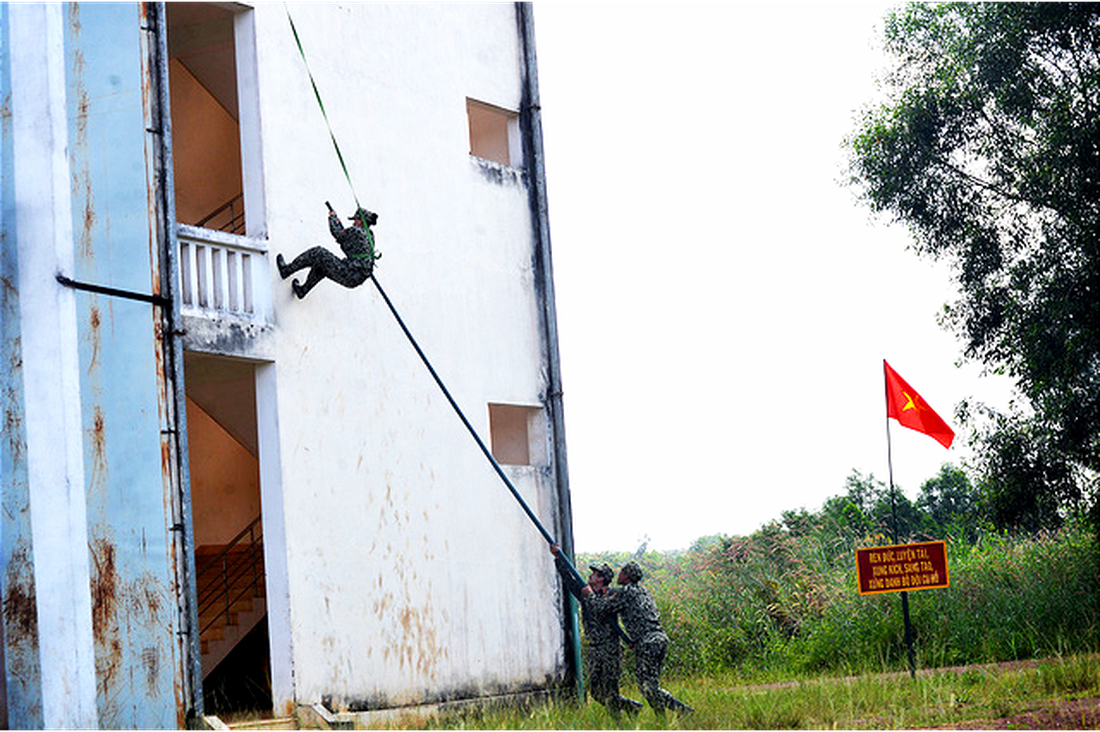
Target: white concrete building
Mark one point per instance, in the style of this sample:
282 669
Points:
250 460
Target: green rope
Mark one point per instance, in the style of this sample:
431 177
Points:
321 104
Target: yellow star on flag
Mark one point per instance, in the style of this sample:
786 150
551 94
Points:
910 403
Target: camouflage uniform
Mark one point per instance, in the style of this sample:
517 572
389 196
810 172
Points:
638 612
357 244
602 653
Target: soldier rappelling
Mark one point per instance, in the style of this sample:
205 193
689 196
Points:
357 243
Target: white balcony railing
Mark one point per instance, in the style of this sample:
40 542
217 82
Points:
223 274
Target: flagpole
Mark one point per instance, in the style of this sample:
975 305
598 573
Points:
894 521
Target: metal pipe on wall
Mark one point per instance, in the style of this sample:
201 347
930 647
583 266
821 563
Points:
166 227
533 160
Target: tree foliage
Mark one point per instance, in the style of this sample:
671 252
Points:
988 148
950 504
785 597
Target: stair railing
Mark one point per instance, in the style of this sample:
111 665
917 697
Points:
224 571
230 216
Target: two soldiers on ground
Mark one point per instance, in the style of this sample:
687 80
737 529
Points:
602 609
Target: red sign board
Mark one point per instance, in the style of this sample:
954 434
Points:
902 567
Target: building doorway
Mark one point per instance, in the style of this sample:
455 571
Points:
231 581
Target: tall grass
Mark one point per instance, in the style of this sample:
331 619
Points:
873 701
775 604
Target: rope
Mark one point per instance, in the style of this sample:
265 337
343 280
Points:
321 104
439 382
473 433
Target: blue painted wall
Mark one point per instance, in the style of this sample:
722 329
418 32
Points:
22 673
134 607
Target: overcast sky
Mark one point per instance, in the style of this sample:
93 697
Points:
724 301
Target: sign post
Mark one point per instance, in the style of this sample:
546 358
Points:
902 567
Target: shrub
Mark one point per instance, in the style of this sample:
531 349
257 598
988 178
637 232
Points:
781 601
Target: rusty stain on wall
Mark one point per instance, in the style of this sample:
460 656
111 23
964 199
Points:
13 423
118 606
104 587
144 600
104 582
83 178
152 159
20 607
420 646
94 336
150 661
98 439
414 644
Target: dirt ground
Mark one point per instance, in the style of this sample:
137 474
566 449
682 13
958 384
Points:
1070 714
1064 714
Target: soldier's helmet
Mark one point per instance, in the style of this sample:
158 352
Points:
369 218
633 572
604 570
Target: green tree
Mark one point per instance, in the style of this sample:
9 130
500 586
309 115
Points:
1015 461
866 508
799 522
897 507
951 504
849 515
989 149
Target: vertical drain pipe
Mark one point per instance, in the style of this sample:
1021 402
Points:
173 341
533 161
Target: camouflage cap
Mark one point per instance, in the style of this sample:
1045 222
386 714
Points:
364 215
633 572
604 570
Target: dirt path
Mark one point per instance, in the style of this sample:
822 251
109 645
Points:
1063 714
1069 714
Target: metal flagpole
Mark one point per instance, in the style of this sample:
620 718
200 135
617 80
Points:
894 520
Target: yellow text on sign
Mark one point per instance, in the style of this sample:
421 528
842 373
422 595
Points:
900 567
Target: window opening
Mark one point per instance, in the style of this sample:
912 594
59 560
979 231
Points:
217 160
202 78
494 133
516 434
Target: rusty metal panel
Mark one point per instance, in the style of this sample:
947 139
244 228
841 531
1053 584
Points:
21 681
134 610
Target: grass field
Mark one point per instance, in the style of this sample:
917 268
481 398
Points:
768 631
1051 693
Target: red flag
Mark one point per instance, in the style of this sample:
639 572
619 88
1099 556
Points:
904 404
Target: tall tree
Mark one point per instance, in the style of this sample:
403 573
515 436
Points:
951 504
989 149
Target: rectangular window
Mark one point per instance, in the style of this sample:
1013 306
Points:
206 113
216 158
494 133
517 434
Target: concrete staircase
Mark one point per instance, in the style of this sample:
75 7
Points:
230 583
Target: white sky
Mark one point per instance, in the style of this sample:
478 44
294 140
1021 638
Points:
724 302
